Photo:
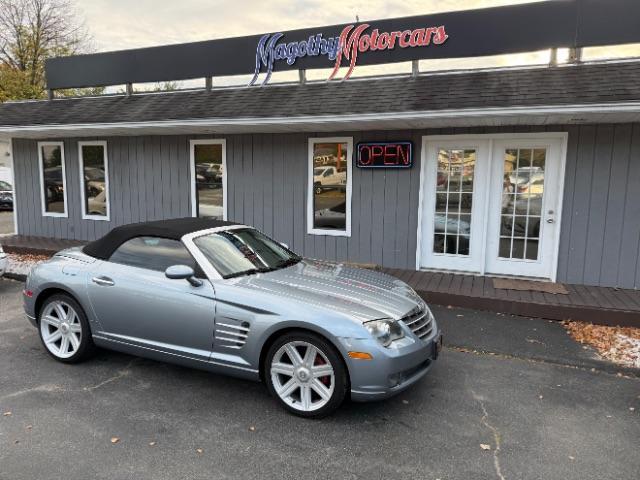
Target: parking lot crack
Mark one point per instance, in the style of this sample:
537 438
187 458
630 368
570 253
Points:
496 435
121 374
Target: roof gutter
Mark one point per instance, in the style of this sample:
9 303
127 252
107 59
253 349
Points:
334 120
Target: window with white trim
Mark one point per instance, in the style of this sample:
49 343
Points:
329 199
53 184
208 178
94 180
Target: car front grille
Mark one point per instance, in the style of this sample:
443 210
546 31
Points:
420 321
231 335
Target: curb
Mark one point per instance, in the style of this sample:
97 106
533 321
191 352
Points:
607 317
596 365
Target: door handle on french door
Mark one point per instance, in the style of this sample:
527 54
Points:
550 220
103 281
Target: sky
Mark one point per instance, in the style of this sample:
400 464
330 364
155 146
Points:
123 24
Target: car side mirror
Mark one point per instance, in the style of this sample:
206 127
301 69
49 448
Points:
183 272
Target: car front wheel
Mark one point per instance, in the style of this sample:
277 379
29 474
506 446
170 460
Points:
306 374
64 329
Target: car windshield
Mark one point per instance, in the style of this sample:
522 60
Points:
318 171
244 251
4 185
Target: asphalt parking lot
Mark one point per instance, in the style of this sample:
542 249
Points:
540 421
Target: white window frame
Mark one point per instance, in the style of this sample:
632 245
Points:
85 215
192 170
43 203
311 230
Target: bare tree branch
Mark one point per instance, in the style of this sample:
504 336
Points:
33 30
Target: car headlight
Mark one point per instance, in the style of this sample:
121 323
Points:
385 331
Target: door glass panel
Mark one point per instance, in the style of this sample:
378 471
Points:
454 198
522 195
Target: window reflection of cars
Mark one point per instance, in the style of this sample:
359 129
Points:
98 204
209 175
451 226
526 175
53 183
329 177
522 213
94 180
6 196
333 217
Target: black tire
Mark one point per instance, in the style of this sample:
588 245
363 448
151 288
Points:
86 347
341 378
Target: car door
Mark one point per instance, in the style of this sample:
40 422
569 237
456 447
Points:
137 305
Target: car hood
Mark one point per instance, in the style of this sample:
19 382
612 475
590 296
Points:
360 294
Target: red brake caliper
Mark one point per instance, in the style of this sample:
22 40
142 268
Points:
320 361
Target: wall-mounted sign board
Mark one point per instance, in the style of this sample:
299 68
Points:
384 155
471 33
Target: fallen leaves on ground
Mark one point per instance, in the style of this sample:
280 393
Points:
199 451
115 440
27 258
6 414
618 344
484 446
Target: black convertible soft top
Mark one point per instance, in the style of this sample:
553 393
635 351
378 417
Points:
174 229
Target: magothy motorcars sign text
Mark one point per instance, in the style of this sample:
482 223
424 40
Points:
352 41
384 154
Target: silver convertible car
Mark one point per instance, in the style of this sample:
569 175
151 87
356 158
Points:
226 298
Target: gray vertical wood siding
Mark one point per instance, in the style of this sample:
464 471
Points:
267 187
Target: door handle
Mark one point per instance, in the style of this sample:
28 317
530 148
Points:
103 281
550 220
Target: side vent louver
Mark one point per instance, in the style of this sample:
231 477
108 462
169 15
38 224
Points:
231 335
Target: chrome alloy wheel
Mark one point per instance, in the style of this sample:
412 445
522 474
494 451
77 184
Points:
302 376
61 329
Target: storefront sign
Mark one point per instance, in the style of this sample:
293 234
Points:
384 155
352 41
471 33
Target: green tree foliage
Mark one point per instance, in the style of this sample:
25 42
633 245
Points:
30 32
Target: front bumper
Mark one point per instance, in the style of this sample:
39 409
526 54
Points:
391 370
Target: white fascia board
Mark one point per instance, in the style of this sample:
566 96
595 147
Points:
339 120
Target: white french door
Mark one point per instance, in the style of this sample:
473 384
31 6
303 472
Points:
524 203
490 204
453 198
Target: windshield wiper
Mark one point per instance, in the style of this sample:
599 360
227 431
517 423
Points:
249 271
289 262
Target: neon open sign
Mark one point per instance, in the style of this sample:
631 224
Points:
384 155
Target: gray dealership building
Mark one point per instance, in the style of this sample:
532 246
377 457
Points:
529 172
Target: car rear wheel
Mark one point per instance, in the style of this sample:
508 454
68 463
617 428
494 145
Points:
306 374
64 329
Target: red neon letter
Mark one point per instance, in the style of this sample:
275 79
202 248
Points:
376 152
403 154
390 154
362 158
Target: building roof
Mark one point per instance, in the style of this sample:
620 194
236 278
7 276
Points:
555 87
173 229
